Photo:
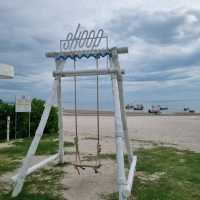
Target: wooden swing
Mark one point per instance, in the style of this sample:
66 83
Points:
78 164
124 183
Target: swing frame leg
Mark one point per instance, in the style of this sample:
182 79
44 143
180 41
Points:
25 169
121 133
116 64
32 149
59 67
119 140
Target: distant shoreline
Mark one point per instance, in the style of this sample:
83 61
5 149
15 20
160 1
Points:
84 112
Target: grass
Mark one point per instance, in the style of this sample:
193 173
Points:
68 144
42 185
10 157
180 179
163 173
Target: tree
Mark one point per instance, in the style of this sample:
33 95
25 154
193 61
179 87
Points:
22 120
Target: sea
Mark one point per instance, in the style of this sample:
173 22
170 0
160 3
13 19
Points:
173 106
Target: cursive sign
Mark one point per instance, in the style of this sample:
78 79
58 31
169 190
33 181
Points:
80 40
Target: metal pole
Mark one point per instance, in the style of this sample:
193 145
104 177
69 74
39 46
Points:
15 125
29 124
8 128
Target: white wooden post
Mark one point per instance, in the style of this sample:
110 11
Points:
119 140
8 128
32 149
116 65
59 68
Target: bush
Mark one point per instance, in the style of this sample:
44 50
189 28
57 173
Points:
23 120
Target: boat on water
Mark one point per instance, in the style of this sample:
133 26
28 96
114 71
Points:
129 107
157 109
187 109
163 107
154 110
138 107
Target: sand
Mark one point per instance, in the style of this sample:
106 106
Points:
182 132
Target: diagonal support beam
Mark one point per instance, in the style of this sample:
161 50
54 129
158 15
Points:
116 64
119 140
131 175
37 166
32 149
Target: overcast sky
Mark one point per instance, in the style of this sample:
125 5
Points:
162 36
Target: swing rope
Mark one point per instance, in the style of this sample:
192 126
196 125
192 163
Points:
98 118
78 160
78 163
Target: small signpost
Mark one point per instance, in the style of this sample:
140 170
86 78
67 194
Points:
8 129
22 105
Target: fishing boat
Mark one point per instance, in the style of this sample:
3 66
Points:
187 109
163 107
154 110
139 107
129 107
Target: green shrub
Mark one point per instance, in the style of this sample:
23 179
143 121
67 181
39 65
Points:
23 120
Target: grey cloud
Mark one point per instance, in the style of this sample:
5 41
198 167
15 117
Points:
173 61
164 27
156 76
26 33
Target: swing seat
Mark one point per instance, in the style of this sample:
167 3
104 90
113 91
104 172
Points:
84 166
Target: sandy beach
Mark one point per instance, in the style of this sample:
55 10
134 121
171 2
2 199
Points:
182 132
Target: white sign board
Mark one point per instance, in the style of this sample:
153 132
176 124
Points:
23 103
6 71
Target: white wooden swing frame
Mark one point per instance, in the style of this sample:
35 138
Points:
121 130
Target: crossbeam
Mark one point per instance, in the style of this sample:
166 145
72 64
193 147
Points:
86 53
90 72
37 166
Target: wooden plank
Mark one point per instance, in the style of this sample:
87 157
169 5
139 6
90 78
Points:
122 50
91 72
37 166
